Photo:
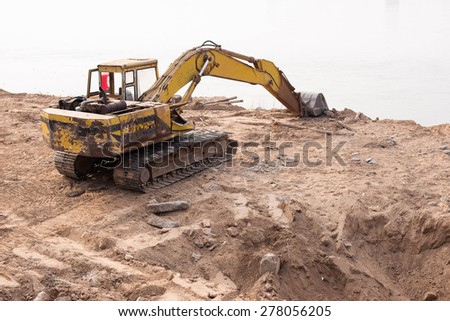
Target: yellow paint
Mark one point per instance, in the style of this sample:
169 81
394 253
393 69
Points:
189 125
67 143
225 64
59 118
45 131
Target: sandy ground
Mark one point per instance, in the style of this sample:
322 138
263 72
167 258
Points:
372 225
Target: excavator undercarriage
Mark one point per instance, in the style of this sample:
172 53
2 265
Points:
139 133
170 161
157 165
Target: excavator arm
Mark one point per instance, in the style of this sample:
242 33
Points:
211 60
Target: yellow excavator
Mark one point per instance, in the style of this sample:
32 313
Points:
130 119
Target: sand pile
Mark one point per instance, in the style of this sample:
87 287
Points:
361 214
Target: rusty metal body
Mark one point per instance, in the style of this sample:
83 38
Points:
96 135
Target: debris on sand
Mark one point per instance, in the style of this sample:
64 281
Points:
76 193
162 223
270 263
42 296
430 296
158 208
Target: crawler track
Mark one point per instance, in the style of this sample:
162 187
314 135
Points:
75 166
157 165
169 162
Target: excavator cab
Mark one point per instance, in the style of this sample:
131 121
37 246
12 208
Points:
124 79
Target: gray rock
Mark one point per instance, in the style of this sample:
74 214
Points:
446 151
325 241
146 292
443 147
206 223
346 243
199 244
371 161
207 231
42 296
162 223
76 193
283 198
233 231
165 207
106 243
430 296
270 263
214 187
196 256
390 142
97 187
332 226
356 159
128 257
329 113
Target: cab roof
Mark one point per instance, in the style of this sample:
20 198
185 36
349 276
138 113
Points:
126 64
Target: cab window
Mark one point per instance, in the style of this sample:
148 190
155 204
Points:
129 92
145 79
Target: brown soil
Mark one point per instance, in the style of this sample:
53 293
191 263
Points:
359 230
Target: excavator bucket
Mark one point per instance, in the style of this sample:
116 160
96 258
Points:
314 103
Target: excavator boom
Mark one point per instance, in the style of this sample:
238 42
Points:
211 60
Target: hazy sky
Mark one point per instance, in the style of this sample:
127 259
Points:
387 58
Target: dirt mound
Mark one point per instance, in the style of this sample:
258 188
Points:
354 209
401 245
443 129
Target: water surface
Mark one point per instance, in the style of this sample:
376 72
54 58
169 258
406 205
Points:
385 58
